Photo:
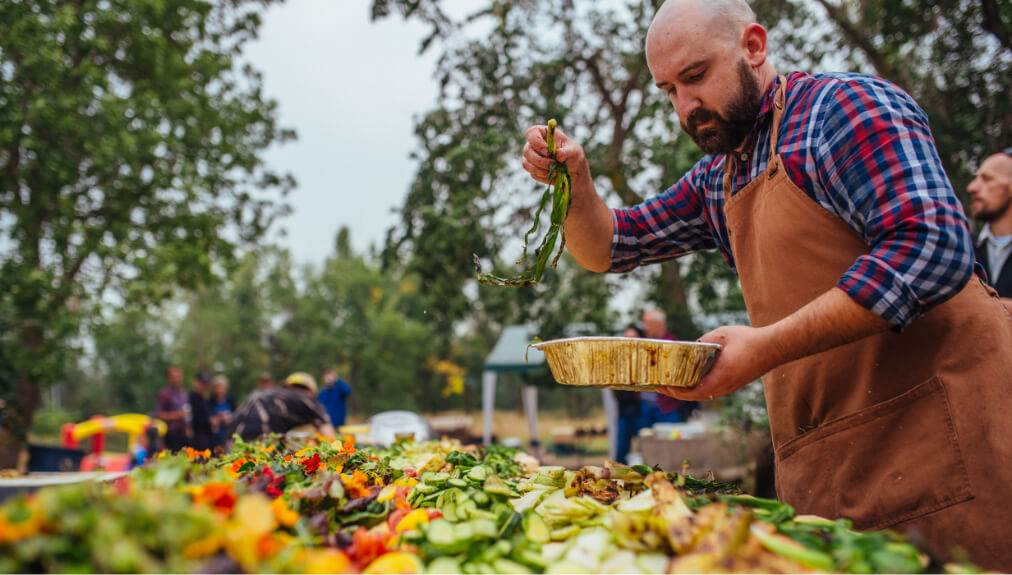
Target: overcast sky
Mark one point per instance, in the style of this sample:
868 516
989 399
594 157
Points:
350 88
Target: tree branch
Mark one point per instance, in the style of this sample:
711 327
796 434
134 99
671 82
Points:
853 31
994 24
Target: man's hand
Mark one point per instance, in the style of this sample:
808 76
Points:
746 354
589 225
831 320
536 160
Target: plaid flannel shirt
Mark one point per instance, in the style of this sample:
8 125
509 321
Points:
861 148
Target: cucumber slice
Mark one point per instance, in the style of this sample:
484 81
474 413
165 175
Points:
449 511
653 563
536 529
497 486
436 478
424 488
457 482
443 565
481 498
484 528
466 508
503 565
563 533
442 534
477 474
565 568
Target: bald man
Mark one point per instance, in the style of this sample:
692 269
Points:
991 203
885 359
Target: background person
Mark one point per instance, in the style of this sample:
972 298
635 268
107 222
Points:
200 413
629 412
334 397
222 407
991 203
281 409
173 407
655 408
265 381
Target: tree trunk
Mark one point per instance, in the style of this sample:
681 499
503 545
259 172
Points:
16 417
674 301
16 421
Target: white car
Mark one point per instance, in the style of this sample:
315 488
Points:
388 426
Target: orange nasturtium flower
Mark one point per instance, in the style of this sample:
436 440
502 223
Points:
356 484
349 445
27 522
219 495
233 469
192 453
284 514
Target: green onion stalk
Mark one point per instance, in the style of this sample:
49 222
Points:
559 192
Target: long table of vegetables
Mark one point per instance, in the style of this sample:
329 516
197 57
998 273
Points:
320 506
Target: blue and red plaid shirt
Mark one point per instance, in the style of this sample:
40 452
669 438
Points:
861 148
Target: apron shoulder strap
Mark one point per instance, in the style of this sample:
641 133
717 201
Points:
778 112
779 101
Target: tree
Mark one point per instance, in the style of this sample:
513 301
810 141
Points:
953 56
585 67
130 164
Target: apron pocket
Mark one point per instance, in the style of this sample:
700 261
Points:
888 463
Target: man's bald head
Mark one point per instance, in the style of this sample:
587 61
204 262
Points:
710 58
724 19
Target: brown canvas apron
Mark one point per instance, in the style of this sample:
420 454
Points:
908 431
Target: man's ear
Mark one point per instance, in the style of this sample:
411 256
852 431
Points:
753 43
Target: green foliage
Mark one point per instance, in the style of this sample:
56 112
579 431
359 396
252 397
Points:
954 57
48 421
130 164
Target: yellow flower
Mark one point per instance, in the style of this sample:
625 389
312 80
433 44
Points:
387 493
284 514
405 481
203 547
413 520
12 531
252 519
323 561
396 562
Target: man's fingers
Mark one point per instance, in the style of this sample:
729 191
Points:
537 139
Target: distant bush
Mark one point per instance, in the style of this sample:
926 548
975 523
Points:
48 421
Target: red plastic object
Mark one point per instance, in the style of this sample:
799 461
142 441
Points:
67 434
97 440
106 462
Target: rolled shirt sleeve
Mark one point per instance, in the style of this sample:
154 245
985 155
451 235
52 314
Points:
879 167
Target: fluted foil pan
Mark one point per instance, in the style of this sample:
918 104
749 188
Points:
633 364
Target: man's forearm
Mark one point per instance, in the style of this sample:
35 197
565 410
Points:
831 320
589 226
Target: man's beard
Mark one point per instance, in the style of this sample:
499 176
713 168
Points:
725 133
986 215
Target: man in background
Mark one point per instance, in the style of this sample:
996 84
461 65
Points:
660 408
173 408
334 397
266 381
200 412
282 409
991 203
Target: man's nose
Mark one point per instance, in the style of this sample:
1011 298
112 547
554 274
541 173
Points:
974 186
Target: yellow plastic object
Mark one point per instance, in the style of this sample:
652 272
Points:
360 433
132 424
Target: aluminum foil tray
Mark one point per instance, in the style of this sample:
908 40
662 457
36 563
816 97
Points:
633 364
